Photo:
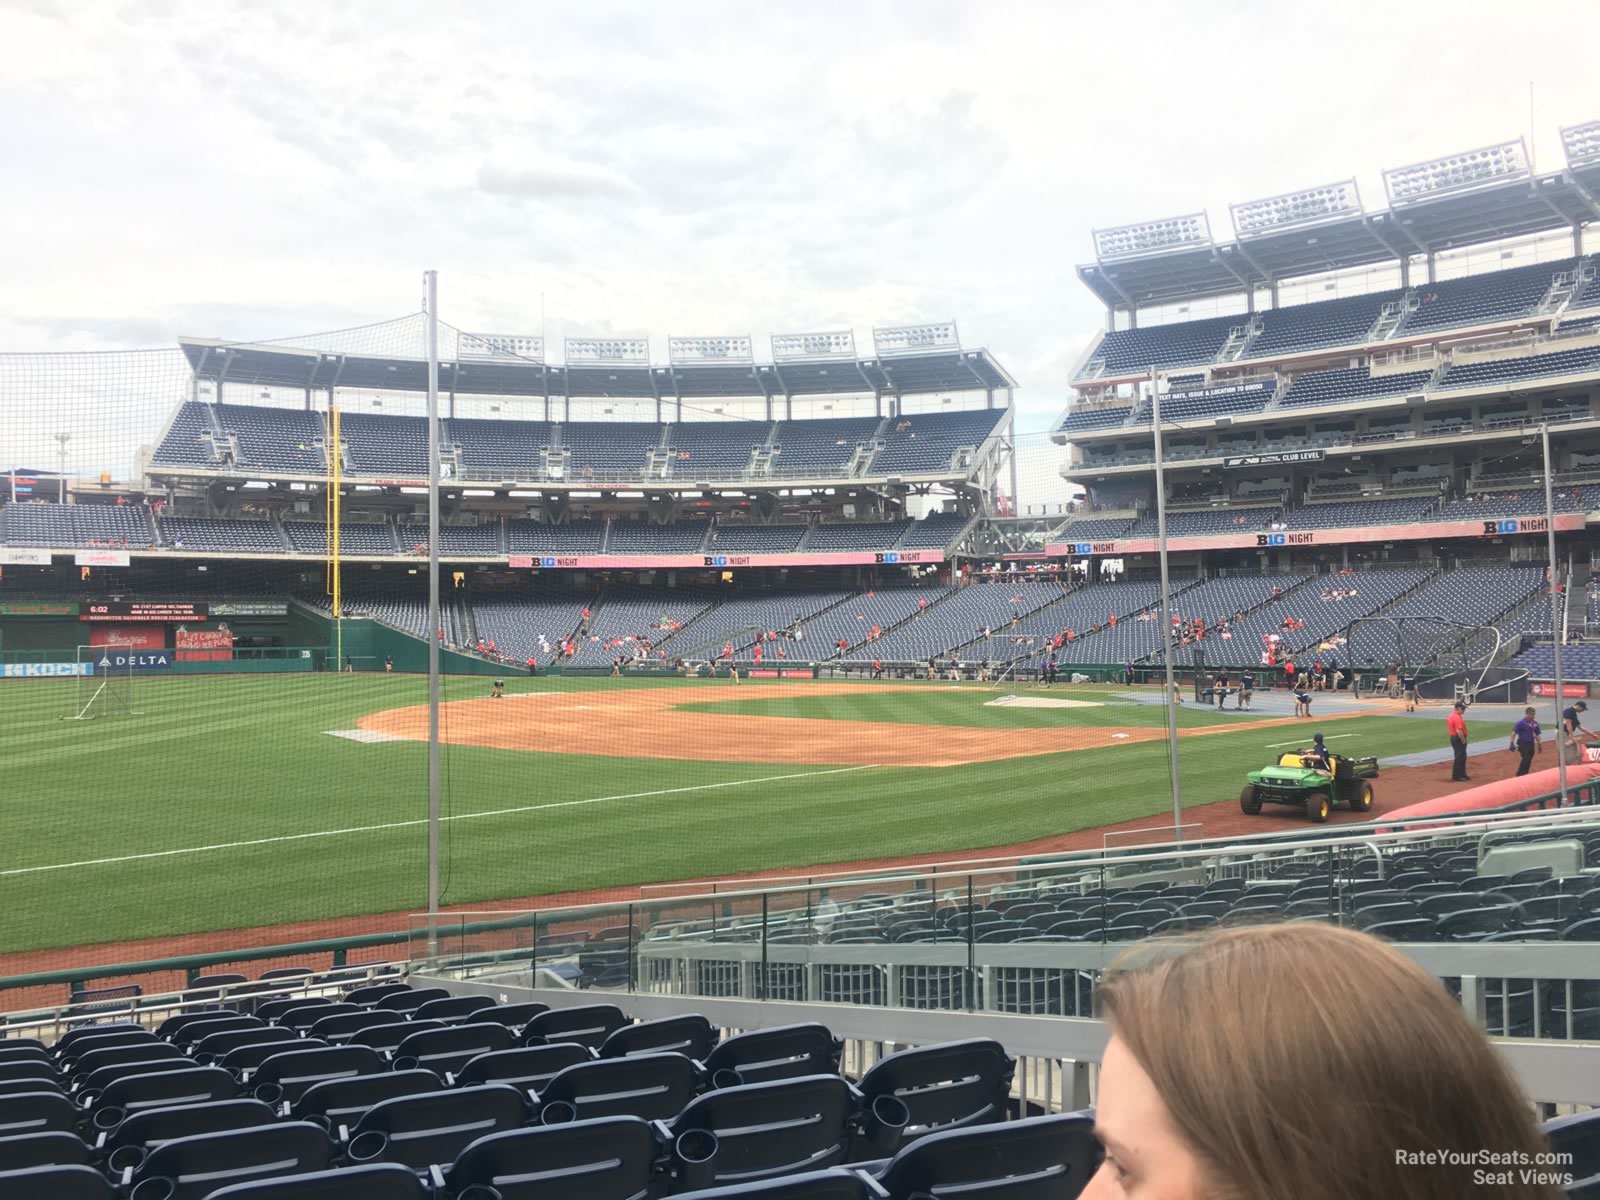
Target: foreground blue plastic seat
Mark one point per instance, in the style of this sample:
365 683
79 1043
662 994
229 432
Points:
690 1034
57 1183
429 1130
134 1093
211 1048
835 1183
765 1055
1579 1136
126 1146
338 1102
615 1158
53 1149
193 1168
244 1060
762 1131
587 1024
529 1068
376 1181
945 1086
445 1050
285 1077
655 1087
1043 1158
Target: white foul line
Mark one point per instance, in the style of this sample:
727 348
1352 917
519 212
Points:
1281 745
495 812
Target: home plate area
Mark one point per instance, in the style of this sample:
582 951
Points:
1040 702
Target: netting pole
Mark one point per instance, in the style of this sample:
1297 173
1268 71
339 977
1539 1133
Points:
1555 604
432 282
1166 609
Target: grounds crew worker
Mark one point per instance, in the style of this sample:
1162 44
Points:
1456 723
1525 739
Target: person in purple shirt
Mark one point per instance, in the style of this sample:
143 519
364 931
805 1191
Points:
1525 740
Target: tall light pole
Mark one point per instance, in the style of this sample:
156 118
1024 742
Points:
1166 609
1555 602
431 282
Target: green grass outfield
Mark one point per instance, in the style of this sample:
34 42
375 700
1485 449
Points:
225 804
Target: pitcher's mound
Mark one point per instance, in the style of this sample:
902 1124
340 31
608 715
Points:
1040 702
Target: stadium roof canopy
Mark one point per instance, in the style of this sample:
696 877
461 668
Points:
918 372
1521 205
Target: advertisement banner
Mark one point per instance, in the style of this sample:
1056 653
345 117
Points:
719 562
24 558
143 610
249 608
204 645
1274 459
131 637
101 558
45 670
1280 538
38 608
1568 690
134 660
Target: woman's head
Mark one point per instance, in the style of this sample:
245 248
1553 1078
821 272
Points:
1297 1060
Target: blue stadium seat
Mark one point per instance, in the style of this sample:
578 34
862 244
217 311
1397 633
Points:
336 1102
944 1086
57 1182
431 1129
610 1159
56 1148
194 1168
447 1050
689 1034
587 1024
655 1087
377 1181
127 1145
768 1055
285 1077
762 1131
1041 1158
528 1068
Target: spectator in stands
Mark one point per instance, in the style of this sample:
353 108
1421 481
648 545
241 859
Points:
1190 1088
1526 740
1456 724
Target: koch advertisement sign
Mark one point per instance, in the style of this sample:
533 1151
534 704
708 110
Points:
53 670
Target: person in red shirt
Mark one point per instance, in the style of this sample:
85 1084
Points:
877 668
727 649
1111 620
758 654
1288 673
1456 723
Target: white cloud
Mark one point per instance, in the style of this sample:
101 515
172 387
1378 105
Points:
260 170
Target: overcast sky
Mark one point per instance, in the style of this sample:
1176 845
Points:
265 169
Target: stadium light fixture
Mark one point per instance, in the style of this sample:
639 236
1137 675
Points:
916 339
1483 167
1293 210
1152 237
628 351
1582 144
839 343
737 348
500 345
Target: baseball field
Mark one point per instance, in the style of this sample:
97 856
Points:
230 803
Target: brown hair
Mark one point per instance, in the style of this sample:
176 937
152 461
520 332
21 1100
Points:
1308 1061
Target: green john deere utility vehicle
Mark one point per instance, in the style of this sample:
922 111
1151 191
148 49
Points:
1292 781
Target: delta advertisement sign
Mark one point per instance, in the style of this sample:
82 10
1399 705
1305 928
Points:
719 562
1288 538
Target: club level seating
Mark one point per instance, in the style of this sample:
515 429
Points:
491 448
934 531
1527 503
383 445
923 443
820 447
1348 384
1079 419
455 539
1477 299
535 537
1351 513
201 533
638 537
1342 322
311 537
718 448
34 523
865 535
1509 370
755 539
1226 519
601 449
274 439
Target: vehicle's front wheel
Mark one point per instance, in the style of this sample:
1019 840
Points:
1250 800
1318 806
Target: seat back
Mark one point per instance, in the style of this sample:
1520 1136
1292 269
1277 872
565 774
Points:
1043 1158
133 1093
610 1159
1579 1136
655 1087
216 1022
193 1168
762 1130
53 1149
766 1055
247 1058
339 1102
122 1052
529 1068
388 1037
29 1068
587 1024
95 1082
213 1047
446 1050
835 1183
949 1085
286 1076
690 1035
429 1130
337 1025
176 1024
274 1010
411 999
57 1182
304 1017
452 1010
125 1146
370 994
513 1016
67 1045
377 1181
